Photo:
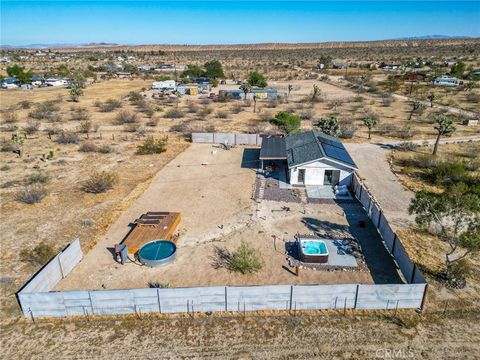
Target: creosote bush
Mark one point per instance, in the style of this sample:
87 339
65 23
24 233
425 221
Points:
100 182
87 146
104 149
38 255
126 117
68 138
37 178
152 146
246 259
31 194
108 106
174 114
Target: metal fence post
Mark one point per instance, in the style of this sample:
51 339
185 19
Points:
158 299
91 303
31 314
356 297
60 265
226 299
291 296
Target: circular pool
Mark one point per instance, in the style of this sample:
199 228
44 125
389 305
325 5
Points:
157 253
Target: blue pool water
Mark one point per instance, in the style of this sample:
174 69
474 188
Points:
156 253
314 247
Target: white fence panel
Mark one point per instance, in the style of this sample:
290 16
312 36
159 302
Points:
318 297
386 232
42 304
222 138
70 257
206 138
192 299
112 302
46 279
145 300
77 303
403 260
252 298
390 296
243 139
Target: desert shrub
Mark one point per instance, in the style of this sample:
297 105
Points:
180 128
8 146
358 99
85 127
100 182
126 117
31 194
67 138
152 146
109 105
10 117
222 114
37 178
407 146
447 173
46 111
192 108
152 122
387 101
87 146
347 133
9 128
25 104
135 96
406 133
174 114
236 109
265 116
104 149
39 255
457 274
271 104
247 103
204 112
4 168
425 161
306 115
473 97
31 127
246 259
80 114
131 128
386 129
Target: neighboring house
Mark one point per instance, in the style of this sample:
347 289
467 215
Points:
265 93
311 158
10 83
201 80
164 85
233 94
447 81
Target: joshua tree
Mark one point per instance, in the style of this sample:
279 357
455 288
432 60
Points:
289 89
444 126
254 102
370 121
417 108
431 98
329 125
77 83
316 92
245 87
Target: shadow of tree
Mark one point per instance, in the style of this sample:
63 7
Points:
327 228
222 258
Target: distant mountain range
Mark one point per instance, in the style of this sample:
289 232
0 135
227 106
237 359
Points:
105 44
430 37
58 46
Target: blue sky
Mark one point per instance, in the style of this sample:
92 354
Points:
231 22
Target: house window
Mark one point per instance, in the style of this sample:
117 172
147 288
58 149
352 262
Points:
301 176
332 177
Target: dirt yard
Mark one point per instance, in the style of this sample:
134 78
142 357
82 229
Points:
212 191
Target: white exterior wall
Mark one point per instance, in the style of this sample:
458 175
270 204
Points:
315 173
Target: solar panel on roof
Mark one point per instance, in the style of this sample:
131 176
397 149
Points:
338 154
331 142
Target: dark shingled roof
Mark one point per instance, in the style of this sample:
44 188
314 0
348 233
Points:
311 146
273 148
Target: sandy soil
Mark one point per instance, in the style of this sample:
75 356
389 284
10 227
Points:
217 212
335 336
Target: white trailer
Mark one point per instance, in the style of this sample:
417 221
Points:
164 85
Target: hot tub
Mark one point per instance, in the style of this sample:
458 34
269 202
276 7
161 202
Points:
313 251
157 253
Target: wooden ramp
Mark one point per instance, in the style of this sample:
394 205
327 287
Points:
152 226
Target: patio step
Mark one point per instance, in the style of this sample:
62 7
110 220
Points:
303 196
261 189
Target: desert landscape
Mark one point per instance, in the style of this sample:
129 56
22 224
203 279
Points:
85 160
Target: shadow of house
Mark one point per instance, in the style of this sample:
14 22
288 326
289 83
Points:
250 158
377 258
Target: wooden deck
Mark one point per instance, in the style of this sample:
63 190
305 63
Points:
152 226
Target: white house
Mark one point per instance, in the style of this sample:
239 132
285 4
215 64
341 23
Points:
55 82
312 158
